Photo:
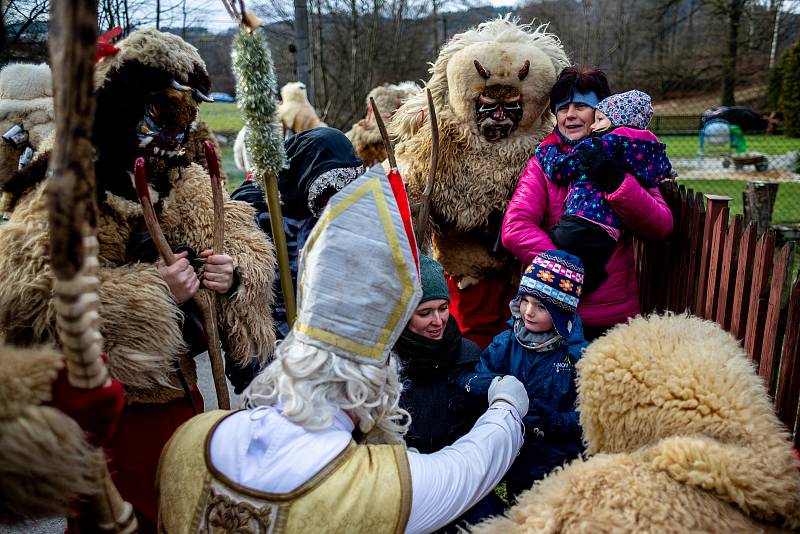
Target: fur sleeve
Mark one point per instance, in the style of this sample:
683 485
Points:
245 315
141 326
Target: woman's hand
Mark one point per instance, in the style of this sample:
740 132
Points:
180 277
218 272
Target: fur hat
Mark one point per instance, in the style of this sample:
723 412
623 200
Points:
503 47
159 50
632 108
434 286
23 81
555 279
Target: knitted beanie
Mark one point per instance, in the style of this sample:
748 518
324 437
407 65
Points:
434 286
632 108
555 279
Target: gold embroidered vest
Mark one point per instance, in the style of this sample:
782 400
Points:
366 488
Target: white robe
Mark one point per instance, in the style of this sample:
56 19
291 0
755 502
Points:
263 450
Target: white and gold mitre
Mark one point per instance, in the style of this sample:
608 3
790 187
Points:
358 278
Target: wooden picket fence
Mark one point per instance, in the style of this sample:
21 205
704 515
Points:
718 268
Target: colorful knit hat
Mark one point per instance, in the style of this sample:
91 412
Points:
555 279
434 286
633 108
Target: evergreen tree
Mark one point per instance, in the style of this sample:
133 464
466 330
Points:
790 92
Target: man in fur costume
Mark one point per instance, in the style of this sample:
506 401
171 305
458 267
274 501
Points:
364 134
26 115
490 86
147 98
295 111
50 434
683 438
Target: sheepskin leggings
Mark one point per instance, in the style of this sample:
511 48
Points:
133 452
481 310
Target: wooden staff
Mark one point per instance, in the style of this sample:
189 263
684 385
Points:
387 143
73 221
425 201
202 297
282 251
249 23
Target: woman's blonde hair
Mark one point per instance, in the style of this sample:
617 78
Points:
312 384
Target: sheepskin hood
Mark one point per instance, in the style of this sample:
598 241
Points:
26 98
502 46
24 81
476 177
681 394
159 50
294 92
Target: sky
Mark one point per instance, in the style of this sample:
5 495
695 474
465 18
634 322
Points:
216 19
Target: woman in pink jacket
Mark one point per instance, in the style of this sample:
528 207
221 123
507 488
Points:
538 204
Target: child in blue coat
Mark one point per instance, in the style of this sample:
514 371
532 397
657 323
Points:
541 349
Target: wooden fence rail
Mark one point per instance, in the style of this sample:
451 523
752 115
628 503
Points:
722 270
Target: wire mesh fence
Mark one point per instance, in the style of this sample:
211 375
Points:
718 157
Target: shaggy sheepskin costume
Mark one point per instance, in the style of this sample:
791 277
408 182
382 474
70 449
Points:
364 134
295 111
26 99
491 87
682 437
141 322
45 460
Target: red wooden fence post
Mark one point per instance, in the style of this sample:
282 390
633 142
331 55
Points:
778 298
715 205
757 310
788 391
744 277
727 280
695 251
718 231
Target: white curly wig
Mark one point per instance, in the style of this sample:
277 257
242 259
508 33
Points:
312 385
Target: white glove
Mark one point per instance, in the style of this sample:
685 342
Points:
511 390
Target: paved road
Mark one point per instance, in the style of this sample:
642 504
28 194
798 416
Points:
206 385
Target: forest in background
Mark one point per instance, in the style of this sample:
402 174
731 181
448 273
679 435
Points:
673 49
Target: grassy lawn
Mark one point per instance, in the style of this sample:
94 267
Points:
222 116
787 204
235 176
687 146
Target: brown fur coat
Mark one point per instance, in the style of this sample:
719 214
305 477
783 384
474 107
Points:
475 178
141 323
45 461
684 439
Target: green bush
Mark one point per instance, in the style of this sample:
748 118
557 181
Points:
790 92
775 84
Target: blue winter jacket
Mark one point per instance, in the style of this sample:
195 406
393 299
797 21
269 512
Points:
552 430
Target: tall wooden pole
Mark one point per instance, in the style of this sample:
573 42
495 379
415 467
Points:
73 223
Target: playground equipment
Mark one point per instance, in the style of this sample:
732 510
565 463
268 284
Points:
720 138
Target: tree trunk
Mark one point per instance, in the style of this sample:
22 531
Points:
301 41
158 14
759 202
354 105
435 18
734 11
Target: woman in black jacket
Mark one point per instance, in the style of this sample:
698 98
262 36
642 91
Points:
434 356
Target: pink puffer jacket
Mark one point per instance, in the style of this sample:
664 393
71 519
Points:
537 205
